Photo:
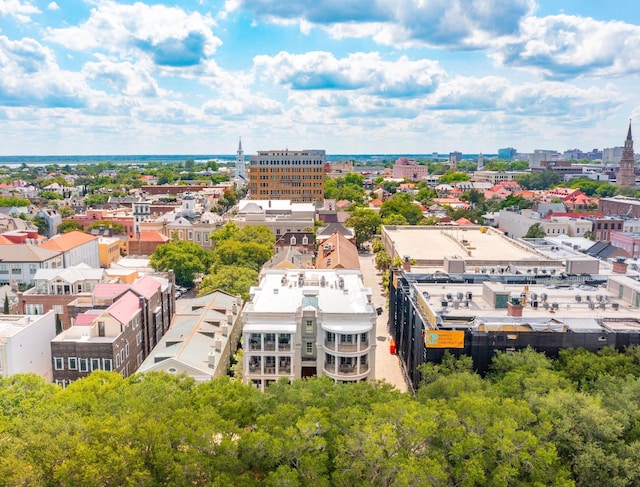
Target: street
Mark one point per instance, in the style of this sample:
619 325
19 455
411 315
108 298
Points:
388 366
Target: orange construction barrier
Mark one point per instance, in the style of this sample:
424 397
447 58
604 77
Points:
392 347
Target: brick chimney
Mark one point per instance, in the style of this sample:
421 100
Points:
620 265
514 306
406 264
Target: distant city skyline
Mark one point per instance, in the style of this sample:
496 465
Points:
356 77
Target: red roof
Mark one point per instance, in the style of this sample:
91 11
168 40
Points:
85 319
109 290
146 286
151 236
125 308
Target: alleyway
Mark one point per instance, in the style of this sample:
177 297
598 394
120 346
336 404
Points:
388 366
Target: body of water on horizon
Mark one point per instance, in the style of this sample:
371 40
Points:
14 161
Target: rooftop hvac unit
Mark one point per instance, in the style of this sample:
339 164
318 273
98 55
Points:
469 295
444 303
555 305
459 295
578 298
456 303
602 305
534 296
449 297
615 305
591 305
599 298
543 296
534 304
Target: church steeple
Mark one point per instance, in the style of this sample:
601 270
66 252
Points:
241 170
626 174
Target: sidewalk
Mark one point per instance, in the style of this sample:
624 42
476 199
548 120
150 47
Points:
388 367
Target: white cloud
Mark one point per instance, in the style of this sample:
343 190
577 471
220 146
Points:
167 35
126 78
53 6
454 24
29 76
366 72
21 11
564 46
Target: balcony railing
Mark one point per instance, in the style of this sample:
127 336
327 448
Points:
270 369
345 347
284 370
255 346
284 347
269 346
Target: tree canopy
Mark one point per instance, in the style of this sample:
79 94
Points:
186 259
532 421
365 223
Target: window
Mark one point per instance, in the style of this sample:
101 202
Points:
33 268
58 363
95 364
364 337
34 309
72 363
309 347
4 268
346 338
309 326
101 328
16 268
117 360
83 365
331 337
58 309
107 364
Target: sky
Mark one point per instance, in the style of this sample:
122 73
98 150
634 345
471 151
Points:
347 76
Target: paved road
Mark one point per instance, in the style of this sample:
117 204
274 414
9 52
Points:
388 366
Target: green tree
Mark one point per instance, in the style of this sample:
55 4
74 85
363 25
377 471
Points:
116 228
5 308
66 211
69 226
535 231
402 204
453 177
97 199
365 223
186 259
233 279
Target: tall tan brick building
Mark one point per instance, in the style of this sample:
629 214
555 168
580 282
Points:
287 175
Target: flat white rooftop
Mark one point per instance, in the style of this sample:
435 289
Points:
430 244
573 308
332 291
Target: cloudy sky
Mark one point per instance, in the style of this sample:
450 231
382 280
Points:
347 76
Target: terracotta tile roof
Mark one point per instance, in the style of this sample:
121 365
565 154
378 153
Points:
151 236
337 252
68 241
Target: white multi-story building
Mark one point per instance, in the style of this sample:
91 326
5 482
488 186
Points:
25 344
307 323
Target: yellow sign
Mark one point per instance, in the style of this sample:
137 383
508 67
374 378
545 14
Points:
444 339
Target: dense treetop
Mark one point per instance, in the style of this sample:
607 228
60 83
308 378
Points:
531 422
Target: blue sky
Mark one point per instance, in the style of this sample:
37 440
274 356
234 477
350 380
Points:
347 76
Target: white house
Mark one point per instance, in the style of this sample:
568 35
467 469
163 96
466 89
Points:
302 323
